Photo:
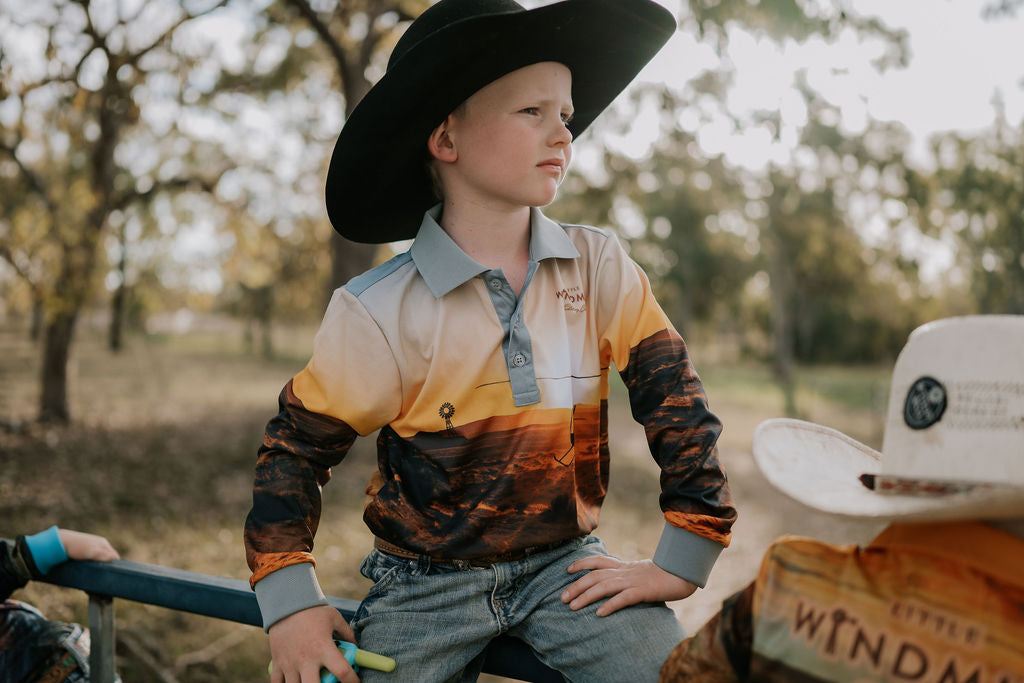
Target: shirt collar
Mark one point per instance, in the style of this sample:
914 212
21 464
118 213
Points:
444 266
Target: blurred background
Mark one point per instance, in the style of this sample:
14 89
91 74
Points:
804 181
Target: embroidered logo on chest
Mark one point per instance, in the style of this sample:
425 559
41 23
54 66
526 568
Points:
573 298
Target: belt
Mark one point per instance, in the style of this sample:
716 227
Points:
486 561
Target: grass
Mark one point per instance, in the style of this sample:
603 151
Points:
159 459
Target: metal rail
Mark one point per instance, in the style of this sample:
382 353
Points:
221 598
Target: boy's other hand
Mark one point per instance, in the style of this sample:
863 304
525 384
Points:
82 546
623 583
301 644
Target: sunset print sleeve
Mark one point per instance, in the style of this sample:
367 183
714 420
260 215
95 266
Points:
321 411
666 396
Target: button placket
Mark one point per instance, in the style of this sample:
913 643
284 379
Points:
516 345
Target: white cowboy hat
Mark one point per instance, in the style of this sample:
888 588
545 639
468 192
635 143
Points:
954 438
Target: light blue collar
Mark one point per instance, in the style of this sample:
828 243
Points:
444 266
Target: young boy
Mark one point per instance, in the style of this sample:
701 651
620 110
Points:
482 355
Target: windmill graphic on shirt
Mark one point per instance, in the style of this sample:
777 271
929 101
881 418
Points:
447 412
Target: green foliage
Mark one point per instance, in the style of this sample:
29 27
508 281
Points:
979 204
791 20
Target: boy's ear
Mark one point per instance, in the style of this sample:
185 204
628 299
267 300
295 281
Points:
441 144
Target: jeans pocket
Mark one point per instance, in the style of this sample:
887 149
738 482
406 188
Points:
382 570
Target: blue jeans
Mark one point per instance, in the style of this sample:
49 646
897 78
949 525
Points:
435 619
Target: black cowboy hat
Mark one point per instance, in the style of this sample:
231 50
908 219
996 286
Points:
377 183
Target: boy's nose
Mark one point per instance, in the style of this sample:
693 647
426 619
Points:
562 134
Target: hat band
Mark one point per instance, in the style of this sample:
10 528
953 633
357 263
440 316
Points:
903 486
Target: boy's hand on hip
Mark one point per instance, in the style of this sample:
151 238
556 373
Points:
623 583
302 643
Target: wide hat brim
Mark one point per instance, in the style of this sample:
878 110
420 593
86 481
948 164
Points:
820 467
377 185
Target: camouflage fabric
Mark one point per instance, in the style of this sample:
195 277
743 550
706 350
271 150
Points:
35 650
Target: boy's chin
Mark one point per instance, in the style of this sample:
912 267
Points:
545 199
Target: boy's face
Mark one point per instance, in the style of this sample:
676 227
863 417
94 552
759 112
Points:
509 141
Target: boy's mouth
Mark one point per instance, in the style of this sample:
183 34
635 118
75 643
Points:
552 165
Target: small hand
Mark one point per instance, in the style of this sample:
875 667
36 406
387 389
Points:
302 644
83 546
623 583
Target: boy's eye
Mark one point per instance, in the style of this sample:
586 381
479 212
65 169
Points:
567 119
531 110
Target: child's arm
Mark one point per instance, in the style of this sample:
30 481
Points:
322 410
34 556
667 398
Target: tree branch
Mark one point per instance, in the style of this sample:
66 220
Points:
7 255
134 57
172 185
211 652
335 47
33 180
99 40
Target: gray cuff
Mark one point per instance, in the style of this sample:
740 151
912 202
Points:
286 591
686 554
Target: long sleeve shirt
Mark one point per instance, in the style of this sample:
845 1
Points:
492 410
930 603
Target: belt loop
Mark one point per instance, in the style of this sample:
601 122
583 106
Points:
423 563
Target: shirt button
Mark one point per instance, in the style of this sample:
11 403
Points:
519 360
496 285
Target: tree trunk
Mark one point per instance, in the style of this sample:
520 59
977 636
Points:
683 309
35 330
782 329
116 318
1017 264
53 404
268 342
119 300
247 335
263 307
348 260
780 274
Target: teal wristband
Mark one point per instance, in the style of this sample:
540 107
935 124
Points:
47 550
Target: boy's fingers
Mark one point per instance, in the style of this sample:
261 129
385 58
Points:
309 674
342 630
106 552
600 589
339 666
595 562
613 604
580 585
